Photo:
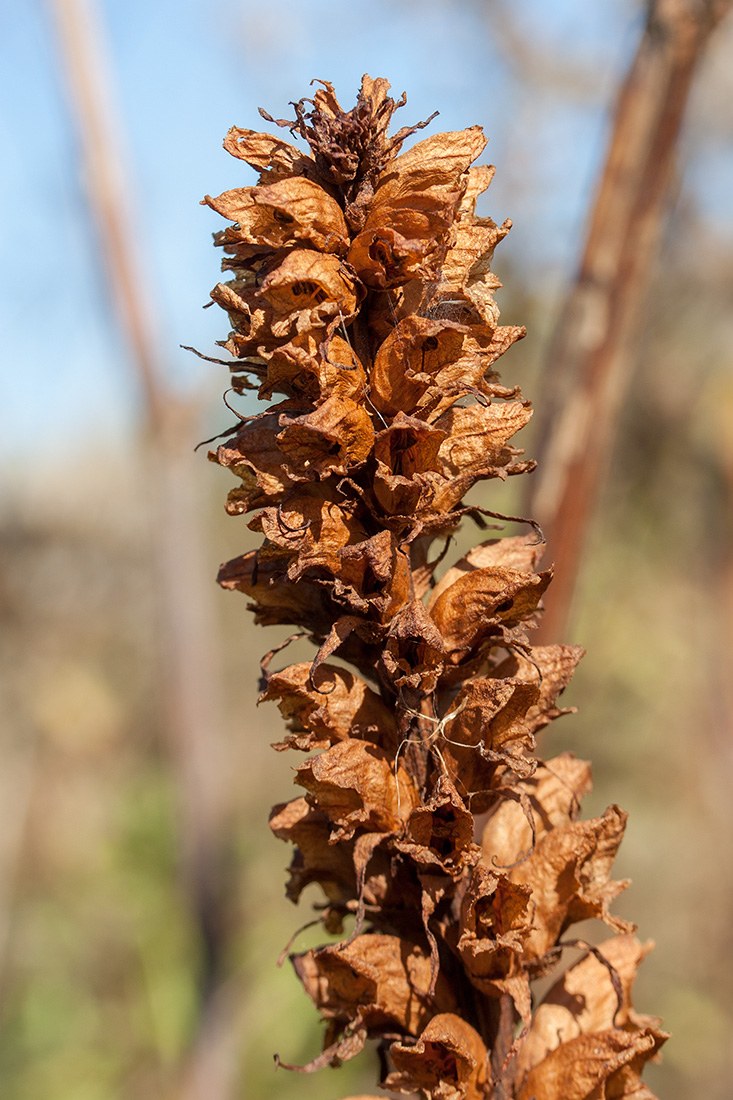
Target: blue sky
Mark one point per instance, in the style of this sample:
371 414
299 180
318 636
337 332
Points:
183 73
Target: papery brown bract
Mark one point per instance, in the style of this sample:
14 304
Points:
340 707
362 295
495 922
355 784
448 1061
374 982
586 1001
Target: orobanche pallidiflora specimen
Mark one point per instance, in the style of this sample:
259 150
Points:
361 305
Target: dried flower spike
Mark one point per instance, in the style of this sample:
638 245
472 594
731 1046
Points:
361 294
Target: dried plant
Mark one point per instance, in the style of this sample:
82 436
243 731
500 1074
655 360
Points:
362 295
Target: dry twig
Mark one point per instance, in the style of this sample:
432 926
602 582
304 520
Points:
591 356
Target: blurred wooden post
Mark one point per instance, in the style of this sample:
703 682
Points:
588 366
190 693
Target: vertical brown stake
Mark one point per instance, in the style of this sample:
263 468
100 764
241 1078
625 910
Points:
190 693
86 70
591 355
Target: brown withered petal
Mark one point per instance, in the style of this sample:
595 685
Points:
350 873
480 292
488 729
586 1000
316 860
471 255
551 668
270 155
568 873
414 653
255 455
633 1087
275 598
339 706
473 609
449 1061
355 638
370 577
602 1066
315 367
284 213
407 447
337 435
250 315
466 270
373 576
425 364
305 292
479 180
379 979
440 833
475 446
436 166
495 921
405 453
419 356
519 552
554 790
357 785
407 228
412 355
311 525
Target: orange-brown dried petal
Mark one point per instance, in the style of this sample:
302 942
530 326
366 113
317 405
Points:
448 1061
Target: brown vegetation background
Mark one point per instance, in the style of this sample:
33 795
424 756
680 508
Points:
141 893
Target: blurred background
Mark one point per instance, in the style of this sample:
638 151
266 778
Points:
142 909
